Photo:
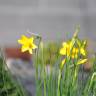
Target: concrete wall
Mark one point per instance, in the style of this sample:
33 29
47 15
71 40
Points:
53 19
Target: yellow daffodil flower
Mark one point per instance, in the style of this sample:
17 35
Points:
27 44
75 53
66 48
73 49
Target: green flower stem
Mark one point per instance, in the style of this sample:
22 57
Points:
36 76
59 79
91 81
75 75
36 66
44 71
44 82
89 85
74 82
17 84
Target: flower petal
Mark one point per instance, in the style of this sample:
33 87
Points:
64 44
31 39
30 51
81 61
34 46
82 51
63 51
24 48
62 63
23 40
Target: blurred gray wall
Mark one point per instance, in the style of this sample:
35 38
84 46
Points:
53 19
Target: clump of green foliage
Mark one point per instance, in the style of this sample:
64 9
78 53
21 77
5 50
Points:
65 78
58 70
8 86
